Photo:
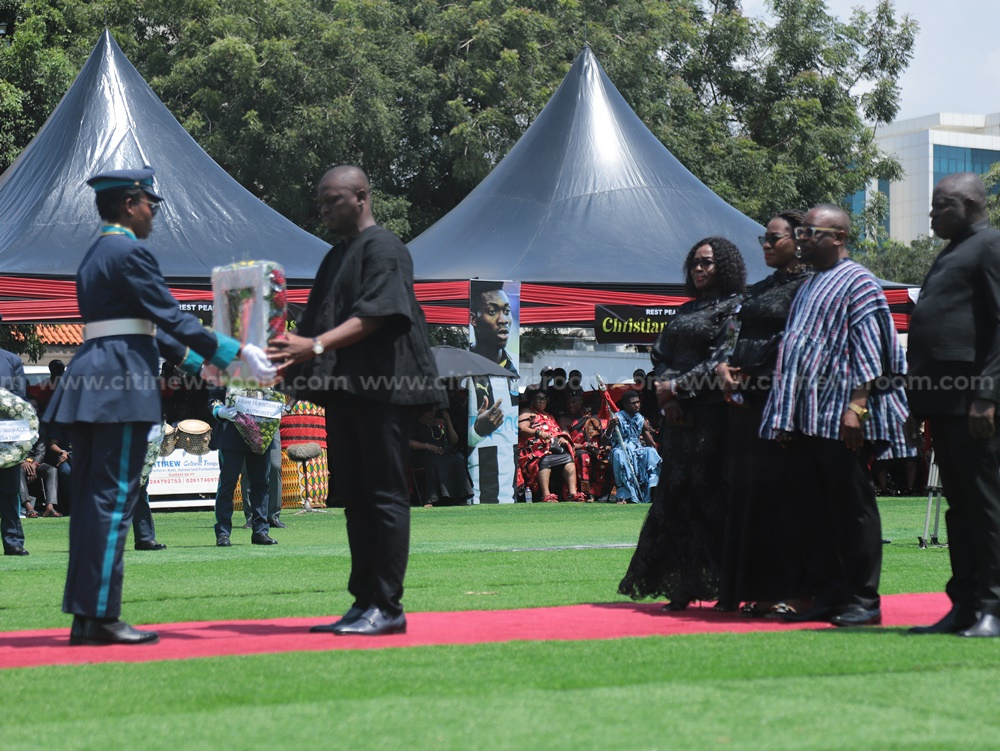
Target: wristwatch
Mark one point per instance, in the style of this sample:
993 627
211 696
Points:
861 412
318 348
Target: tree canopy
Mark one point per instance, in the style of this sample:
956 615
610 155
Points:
428 96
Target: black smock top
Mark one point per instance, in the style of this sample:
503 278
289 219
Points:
692 343
369 276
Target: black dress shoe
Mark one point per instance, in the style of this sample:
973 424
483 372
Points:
222 541
987 625
98 631
277 523
818 613
955 620
248 525
262 538
855 615
352 614
14 550
374 623
150 545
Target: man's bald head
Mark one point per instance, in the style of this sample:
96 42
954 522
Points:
833 216
966 186
825 244
349 176
959 201
344 198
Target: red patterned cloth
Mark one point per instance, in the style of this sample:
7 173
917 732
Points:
590 456
530 451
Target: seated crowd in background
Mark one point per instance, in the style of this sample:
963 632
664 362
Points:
45 476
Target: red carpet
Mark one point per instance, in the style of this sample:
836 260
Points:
576 622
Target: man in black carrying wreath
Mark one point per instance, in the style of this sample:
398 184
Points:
368 362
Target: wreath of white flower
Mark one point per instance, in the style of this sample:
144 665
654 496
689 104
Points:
13 407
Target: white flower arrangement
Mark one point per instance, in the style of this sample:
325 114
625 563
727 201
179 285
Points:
18 429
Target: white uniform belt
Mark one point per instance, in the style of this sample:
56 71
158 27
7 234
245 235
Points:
118 327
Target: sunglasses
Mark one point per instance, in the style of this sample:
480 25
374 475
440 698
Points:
702 263
771 240
153 207
808 233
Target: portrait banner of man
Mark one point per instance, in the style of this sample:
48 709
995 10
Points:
494 318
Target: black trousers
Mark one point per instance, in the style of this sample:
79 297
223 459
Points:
274 488
10 507
970 475
841 523
368 450
142 520
107 465
258 468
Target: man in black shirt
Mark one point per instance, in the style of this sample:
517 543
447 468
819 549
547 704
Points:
367 360
954 360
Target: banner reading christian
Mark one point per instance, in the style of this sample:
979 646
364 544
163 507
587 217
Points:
629 324
494 317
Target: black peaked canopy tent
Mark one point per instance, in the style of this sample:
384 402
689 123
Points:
111 119
588 194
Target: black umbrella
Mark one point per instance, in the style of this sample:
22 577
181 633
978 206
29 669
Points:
453 362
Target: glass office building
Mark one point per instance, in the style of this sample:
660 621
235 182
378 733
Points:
929 148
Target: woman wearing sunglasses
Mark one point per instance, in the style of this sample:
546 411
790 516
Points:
764 563
679 553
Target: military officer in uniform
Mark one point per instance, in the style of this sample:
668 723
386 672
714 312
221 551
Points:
109 395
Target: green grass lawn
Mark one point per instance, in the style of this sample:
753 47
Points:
856 688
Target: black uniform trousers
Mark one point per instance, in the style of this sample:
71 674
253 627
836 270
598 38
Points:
970 475
107 465
10 507
369 447
142 520
258 469
841 523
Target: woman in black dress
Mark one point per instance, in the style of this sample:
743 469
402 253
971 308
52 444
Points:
679 552
441 472
764 562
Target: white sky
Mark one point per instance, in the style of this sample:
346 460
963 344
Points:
956 58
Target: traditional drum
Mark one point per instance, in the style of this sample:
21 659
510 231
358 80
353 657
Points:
193 436
169 440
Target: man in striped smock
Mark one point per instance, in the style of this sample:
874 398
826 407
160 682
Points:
837 399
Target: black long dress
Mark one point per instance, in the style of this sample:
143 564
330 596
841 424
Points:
679 552
439 477
765 555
